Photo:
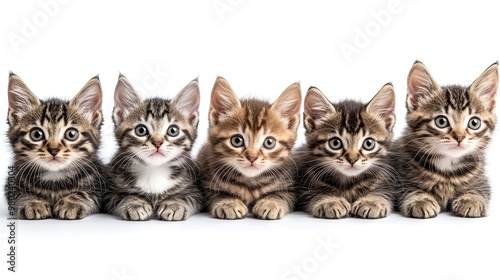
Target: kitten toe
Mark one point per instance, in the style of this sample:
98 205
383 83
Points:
331 208
421 206
134 209
371 208
268 209
173 211
34 210
229 209
469 206
66 209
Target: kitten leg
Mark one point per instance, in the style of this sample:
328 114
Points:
75 206
470 205
420 205
228 208
275 206
175 210
372 206
133 208
329 207
30 207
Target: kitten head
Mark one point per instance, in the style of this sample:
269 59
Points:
156 131
252 136
451 121
348 138
54 135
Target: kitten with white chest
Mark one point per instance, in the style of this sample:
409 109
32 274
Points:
55 142
152 174
441 155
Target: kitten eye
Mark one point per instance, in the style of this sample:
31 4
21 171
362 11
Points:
441 122
36 134
173 130
141 130
335 143
237 141
71 134
269 143
474 123
369 144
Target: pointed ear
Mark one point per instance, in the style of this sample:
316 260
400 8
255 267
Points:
187 102
421 86
89 101
383 105
316 105
21 99
222 101
486 86
288 106
126 99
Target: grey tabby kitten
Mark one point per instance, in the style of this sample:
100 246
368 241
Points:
441 154
55 142
246 163
152 174
343 167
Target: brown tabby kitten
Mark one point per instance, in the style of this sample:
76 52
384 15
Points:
246 163
441 154
55 142
152 174
343 168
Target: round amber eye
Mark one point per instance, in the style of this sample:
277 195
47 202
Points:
335 143
237 141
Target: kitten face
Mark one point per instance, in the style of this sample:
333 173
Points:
349 138
451 121
54 135
156 130
252 136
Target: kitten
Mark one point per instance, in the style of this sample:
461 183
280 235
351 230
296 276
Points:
343 167
55 142
152 174
246 163
441 154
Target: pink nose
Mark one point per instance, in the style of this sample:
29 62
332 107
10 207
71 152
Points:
157 144
252 159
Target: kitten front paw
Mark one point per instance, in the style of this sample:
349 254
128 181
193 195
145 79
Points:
34 210
229 209
331 208
421 206
469 206
173 211
69 208
270 209
371 207
135 210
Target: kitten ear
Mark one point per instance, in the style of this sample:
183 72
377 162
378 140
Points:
222 101
316 106
288 106
21 99
421 86
383 105
89 101
187 102
486 86
126 99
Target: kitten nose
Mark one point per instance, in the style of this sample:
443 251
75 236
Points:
352 160
53 151
252 159
157 140
459 137
157 144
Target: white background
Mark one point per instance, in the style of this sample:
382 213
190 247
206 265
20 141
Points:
260 47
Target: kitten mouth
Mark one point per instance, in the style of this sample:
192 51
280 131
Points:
157 153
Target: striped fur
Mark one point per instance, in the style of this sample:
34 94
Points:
246 164
55 142
441 154
343 168
152 175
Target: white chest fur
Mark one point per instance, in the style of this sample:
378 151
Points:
154 179
445 163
